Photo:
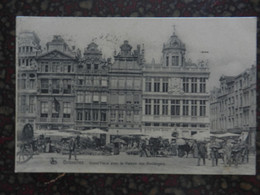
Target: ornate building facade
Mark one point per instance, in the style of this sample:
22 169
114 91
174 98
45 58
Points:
125 91
233 105
27 51
92 90
175 94
123 97
56 89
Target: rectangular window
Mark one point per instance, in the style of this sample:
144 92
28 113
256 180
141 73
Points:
193 107
31 104
203 108
80 80
164 107
193 85
121 99
79 116
66 109
175 107
89 66
104 82
88 81
129 83
120 116
185 110
175 60
165 84
148 84
156 107
55 86
44 86
167 60
113 83
95 115
46 68
103 99
96 81
88 97
156 84
96 98
31 83
23 103
103 115
128 116
202 85
148 106
112 115
121 83
87 115
185 82
136 99
69 68
44 109
137 83
80 97
67 86
55 113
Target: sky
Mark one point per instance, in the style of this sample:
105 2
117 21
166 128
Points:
230 42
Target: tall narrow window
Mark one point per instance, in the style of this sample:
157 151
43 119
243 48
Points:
167 60
164 107
175 60
202 85
31 104
175 107
55 86
156 107
203 108
112 115
103 115
193 85
67 86
185 110
55 113
87 115
148 106
120 116
23 103
156 84
95 115
66 109
80 97
44 109
44 85
79 115
165 84
185 82
148 84
193 107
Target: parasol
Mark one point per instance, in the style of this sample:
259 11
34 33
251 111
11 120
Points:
118 140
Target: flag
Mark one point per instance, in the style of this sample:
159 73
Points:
56 105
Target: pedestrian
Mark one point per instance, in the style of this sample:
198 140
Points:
72 148
214 153
143 149
202 152
227 153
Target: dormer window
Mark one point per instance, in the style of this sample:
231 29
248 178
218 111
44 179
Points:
175 60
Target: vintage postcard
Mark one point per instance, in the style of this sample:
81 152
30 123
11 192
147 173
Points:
136 95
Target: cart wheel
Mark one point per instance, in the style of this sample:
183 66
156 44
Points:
24 156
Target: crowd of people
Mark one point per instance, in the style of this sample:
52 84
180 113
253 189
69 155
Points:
227 151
